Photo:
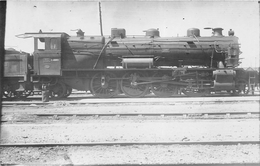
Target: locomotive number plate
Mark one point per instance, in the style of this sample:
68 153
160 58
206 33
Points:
46 60
53 60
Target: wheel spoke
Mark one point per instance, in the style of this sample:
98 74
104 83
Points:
68 91
109 89
58 90
130 89
163 89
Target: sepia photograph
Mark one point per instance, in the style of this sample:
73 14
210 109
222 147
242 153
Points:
138 82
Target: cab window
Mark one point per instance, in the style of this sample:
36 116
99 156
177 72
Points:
41 44
53 44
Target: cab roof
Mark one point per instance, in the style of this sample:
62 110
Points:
43 35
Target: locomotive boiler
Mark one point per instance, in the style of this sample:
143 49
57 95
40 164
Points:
136 65
151 50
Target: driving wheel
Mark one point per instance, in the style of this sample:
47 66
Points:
130 87
163 89
104 85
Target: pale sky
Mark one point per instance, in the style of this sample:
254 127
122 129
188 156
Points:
171 17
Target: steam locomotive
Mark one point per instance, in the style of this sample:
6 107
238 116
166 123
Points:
130 65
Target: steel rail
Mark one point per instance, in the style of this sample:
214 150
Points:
115 101
147 114
183 115
128 143
162 164
184 164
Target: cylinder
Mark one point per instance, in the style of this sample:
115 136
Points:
224 79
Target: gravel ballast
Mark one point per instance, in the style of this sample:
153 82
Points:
154 130
195 154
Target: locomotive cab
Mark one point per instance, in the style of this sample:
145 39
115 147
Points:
47 54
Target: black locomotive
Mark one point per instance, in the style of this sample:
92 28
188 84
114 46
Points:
131 65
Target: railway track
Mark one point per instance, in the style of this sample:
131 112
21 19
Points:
197 100
197 108
128 143
224 164
54 112
151 114
201 114
183 115
88 95
161 164
202 164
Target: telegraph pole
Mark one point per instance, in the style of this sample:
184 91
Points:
100 19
